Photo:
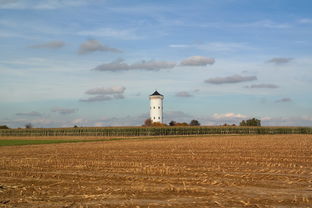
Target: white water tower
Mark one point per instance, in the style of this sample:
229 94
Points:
156 107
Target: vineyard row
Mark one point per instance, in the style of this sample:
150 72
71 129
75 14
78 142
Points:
152 131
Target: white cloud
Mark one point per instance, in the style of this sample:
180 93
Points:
197 61
104 94
230 79
268 86
215 46
9 34
11 4
39 4
152 65
112 33
229 116
52 44
222 118
183 94
106 91
99 124
32 113
179 116
224 46
179 46
284 100
287 121
97 98
305 21
95 45
280 60
119 65
64 111
264 24
78 121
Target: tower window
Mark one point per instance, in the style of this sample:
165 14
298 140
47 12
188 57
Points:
158 107
154 107
154 118
158 117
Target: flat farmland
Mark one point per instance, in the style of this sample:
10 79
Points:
210 171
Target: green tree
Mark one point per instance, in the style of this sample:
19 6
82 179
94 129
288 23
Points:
194 123
148 122
243 123
251 122
4 127
28 126
172 123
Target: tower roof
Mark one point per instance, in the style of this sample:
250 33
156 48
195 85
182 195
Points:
156 93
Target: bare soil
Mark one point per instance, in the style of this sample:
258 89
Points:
212 171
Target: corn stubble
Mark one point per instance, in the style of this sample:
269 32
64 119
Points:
210 171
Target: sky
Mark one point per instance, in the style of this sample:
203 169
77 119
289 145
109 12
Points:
95 62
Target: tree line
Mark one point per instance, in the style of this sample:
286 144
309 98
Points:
248 122
149 122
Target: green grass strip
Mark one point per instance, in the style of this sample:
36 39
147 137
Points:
19 142
31 142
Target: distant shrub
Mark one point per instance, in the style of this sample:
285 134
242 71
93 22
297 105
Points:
4 127
182 124
172 123
28 126
228 124
148 122
250 122
194 123
158 124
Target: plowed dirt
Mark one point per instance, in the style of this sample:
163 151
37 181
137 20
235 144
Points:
212 171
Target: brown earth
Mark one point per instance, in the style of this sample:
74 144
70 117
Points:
212 171
55 138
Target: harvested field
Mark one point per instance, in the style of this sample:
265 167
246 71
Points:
210 171
54 138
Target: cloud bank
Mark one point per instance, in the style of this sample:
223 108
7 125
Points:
279 61
197 61
305 21
90 46
284 100
230 79
32 113
52 45
112 33
120 65
183 94
64 111
152 65
137 120
104 94
268 86
40 5
229 116
215 46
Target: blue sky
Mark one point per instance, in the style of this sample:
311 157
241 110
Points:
94 62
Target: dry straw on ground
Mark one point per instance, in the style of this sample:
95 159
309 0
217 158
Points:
212 171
